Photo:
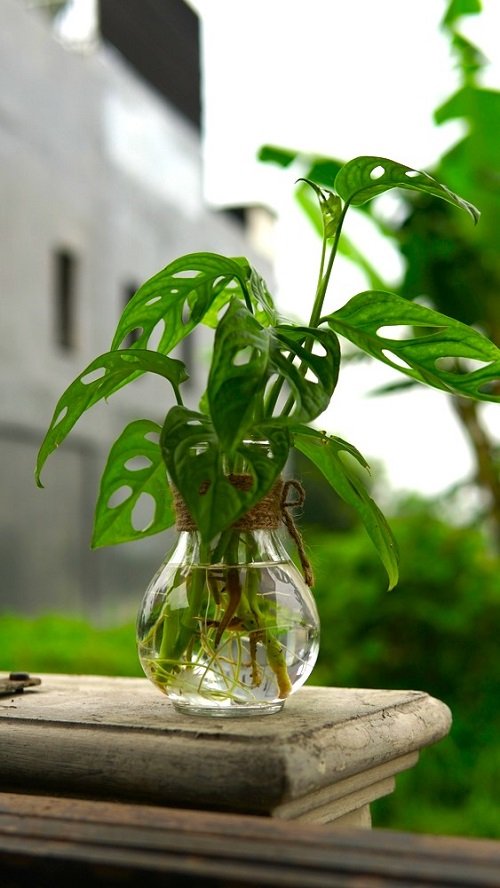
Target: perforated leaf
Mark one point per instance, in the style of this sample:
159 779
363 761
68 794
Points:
313 383
325 451
134 470
195 463
238 372
431 357
363 178
171 304
104 376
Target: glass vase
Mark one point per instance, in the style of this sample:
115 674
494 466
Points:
229 628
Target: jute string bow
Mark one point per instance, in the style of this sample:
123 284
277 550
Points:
267 514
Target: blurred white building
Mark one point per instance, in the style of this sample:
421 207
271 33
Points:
100 178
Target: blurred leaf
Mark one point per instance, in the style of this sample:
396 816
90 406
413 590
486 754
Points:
458 8
282 157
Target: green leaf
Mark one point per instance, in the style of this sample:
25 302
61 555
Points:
325 452
458 8
313 383
135 465
238 374
196 465
104 376
363 178
283 157
330 206
319 169
260 297
431 357
177 299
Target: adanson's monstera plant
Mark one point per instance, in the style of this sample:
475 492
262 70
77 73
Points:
228 625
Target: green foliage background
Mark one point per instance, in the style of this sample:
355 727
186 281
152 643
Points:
437 632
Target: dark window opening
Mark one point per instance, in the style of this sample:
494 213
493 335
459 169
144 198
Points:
65 297
160 39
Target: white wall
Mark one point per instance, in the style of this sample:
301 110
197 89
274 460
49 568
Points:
93 161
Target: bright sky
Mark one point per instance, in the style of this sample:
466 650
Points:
342 79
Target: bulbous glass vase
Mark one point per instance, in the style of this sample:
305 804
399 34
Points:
228 629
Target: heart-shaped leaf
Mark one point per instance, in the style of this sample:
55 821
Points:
104 376
325 452
424 357
196 464
238 372
363 178
135 469
313 382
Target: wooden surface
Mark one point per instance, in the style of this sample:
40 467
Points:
328 754
49 842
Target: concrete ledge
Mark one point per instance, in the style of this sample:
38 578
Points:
326 756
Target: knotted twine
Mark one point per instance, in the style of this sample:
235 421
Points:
275 507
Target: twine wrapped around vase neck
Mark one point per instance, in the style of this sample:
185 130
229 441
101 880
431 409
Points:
274 508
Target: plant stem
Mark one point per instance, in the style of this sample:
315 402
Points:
321 288
324 279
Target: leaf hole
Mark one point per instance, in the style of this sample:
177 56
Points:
119 496
412 174
487 388
60 416
132 335
156 335
189 273
153 300
319 349
93 376
243 356
154 437
395 359
285 391
377 172
473 364
393 331
311 376
186 313
136 463
143 513
447 364
469 365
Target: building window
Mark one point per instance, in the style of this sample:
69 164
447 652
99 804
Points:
65 268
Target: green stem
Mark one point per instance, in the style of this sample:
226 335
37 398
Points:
321 288
324 279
